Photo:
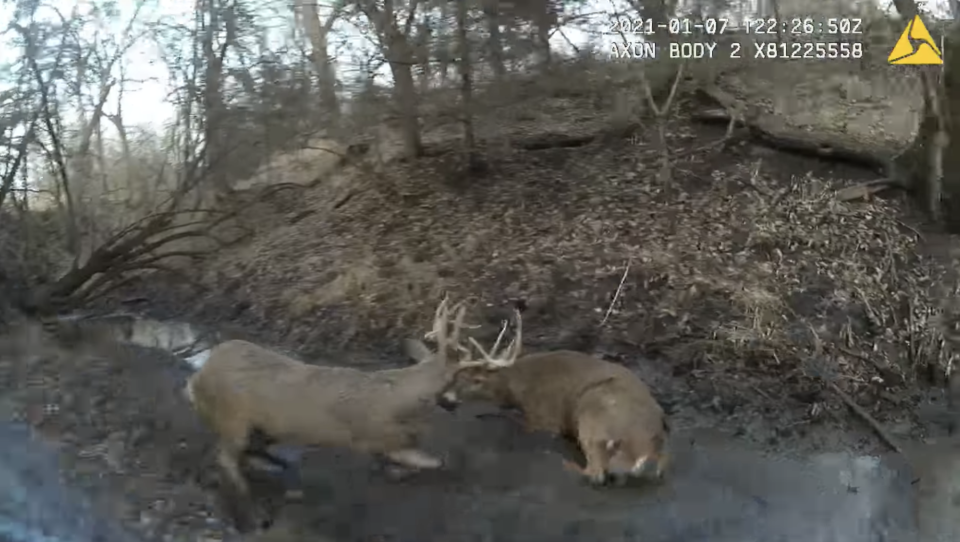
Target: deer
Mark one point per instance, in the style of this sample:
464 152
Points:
253 397
605 408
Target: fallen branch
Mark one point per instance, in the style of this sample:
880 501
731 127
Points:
772 132
886 437
819 368
885 372
865 190
616 295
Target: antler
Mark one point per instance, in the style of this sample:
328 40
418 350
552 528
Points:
447 338
441 333
510 353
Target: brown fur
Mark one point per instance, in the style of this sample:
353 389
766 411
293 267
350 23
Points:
244 388
607 409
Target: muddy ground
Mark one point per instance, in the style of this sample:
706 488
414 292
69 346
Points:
126 439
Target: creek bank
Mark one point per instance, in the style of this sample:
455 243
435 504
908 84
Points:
738 474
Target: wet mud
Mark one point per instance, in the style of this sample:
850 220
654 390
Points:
737 473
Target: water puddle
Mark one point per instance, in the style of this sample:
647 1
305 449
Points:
35 506
736 493
188 342
197 360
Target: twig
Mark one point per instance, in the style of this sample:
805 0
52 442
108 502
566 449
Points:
871 421
911 228
882 368
570 43
617 294
730 126
864 190
847 400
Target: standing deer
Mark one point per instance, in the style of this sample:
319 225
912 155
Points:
245 391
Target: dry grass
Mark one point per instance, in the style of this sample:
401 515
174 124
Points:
362 284
731 268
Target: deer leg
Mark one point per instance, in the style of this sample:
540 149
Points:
662 463
258 447
237 495
572 467
247 515
402 447
595 453
228 458
414 458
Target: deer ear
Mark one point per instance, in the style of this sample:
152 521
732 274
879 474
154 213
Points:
482 374
417 351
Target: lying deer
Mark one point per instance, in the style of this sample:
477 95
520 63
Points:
251 397
608 410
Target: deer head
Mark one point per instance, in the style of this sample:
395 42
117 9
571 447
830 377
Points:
445 332
472 369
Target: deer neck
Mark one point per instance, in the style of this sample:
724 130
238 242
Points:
422 381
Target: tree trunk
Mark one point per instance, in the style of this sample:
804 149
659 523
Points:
405 92
19 159
491 10
947 138
213 106
442 46
466 85
424 35
543 40
318 33
129 183
396 46
102 163
935 149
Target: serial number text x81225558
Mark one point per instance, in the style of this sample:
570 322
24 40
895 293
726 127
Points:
801 51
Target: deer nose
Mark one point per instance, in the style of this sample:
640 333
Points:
448 401
642 464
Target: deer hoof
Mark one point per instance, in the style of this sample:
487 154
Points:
397 473
415 459
293 495
596 479
255 519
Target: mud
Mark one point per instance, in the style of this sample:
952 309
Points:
737 473
503 484
36 505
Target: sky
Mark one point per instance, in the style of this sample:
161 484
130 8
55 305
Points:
145 97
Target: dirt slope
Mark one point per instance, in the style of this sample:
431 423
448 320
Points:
740 268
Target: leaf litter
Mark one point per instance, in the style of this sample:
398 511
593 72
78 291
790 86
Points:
736 268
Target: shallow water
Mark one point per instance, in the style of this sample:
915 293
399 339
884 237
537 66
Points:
186 341
506 485
35 506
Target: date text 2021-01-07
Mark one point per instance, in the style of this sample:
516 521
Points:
837 26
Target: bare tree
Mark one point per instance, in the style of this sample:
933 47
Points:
491 11
318 31
394 38
466 85
212 15
933 150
